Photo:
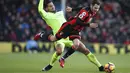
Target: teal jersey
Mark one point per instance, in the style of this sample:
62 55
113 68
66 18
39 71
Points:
54 20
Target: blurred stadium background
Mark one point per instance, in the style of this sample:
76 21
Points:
20 20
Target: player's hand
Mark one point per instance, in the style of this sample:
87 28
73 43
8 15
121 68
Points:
93 25
68 9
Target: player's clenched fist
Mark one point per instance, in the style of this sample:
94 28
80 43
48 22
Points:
93 25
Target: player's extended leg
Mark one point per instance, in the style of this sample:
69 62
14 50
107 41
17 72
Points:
68 43
90 56
59 49
40 35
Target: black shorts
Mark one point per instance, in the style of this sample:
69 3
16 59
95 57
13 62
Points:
67 30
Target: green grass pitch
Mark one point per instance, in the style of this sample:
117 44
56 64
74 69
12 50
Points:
77 63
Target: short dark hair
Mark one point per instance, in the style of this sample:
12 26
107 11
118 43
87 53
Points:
96 2
46 3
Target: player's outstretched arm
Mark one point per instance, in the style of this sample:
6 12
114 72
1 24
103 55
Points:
70 9
42 12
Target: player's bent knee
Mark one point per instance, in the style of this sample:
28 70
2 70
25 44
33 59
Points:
76 46
58 51
76 43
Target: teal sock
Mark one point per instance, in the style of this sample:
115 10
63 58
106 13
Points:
93 59
54 58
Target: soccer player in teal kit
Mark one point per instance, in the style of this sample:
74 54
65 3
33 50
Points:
54 20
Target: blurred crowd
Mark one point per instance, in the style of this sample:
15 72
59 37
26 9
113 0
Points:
20 20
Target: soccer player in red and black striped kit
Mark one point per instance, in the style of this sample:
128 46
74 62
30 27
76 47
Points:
73 28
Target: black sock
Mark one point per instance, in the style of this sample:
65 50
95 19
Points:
68 53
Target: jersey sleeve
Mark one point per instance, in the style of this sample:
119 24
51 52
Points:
41 11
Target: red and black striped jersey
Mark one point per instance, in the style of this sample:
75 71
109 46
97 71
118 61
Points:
82 19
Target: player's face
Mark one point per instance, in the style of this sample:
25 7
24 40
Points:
95 8
50 7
